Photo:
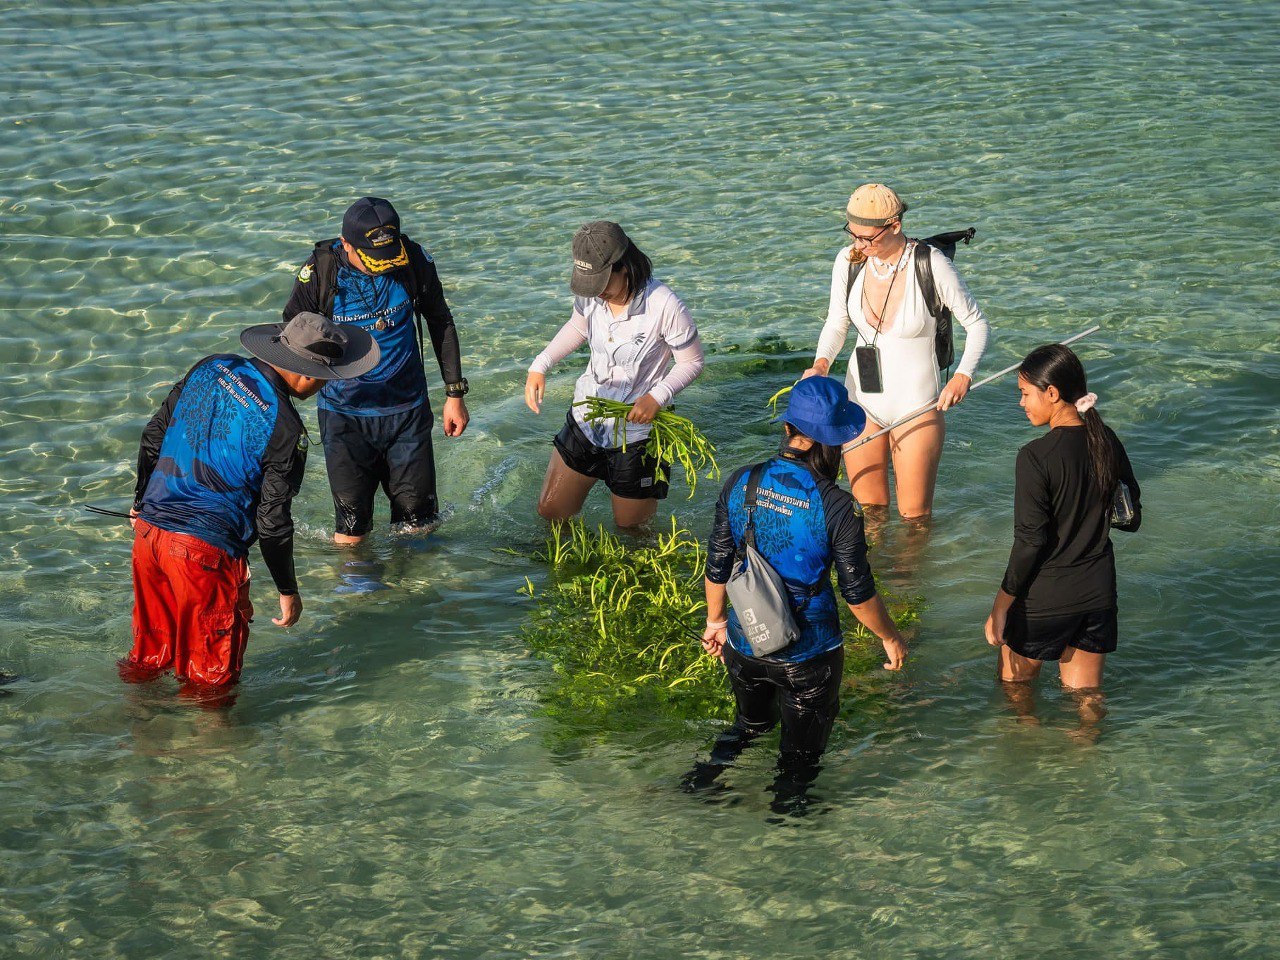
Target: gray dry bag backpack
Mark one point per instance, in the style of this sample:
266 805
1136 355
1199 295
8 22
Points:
760 597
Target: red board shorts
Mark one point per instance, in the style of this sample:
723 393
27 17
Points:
191 609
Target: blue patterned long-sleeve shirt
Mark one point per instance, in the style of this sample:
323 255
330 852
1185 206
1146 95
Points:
804 524
222 460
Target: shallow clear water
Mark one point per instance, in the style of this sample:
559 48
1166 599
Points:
387 784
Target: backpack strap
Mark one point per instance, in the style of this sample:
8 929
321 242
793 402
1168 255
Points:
326 268
946 242
753 484
854 270
944 343
924 280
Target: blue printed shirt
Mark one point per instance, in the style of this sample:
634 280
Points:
222 460
804 524
382 306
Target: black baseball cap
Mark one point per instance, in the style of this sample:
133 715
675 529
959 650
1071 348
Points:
372 226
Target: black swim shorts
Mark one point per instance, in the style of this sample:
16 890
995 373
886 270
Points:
631 474
392 451
1047 638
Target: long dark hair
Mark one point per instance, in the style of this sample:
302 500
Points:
639 269
822 459
1058 365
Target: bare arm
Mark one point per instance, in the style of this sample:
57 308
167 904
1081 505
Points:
873 615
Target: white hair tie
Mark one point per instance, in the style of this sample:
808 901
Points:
1086 403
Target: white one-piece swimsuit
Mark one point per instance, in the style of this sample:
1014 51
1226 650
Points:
908 364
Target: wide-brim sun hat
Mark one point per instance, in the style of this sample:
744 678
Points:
820 408
314 346
597 246
874 205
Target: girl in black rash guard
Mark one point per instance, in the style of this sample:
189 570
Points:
1058 598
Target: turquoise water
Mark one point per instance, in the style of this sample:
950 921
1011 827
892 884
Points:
387 784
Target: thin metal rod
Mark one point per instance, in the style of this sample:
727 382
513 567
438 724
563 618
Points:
105 512
932 404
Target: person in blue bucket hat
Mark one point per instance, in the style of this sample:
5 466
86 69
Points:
804 524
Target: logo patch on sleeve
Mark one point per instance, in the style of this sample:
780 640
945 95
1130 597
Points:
304 275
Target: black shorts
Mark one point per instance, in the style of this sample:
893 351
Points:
391 451
1046 638
631 474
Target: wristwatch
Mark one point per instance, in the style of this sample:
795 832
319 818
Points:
457 390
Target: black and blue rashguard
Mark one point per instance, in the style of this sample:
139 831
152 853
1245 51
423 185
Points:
383 305
804 524
222 460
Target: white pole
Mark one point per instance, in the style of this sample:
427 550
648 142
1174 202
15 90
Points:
932 404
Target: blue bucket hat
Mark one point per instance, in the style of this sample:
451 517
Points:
820 408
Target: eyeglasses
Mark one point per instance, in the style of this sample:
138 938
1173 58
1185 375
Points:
865 240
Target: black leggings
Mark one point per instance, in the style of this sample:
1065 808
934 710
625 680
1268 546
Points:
805 696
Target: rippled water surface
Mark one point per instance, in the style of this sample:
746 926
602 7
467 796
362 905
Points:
388 784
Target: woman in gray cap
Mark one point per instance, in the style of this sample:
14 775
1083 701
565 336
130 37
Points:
635 326
895 369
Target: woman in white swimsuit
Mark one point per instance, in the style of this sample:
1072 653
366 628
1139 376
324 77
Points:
896 330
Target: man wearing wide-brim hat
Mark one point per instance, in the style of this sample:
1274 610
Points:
218 467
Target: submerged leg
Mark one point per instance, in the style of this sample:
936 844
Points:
724 752
564 490
797 772
868 469
1081 673
917 451
810 703
155 627
1016 673
629 514
757 713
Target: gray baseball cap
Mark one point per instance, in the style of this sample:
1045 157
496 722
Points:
597 246
314 346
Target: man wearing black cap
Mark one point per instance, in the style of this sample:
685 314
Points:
218 467
376 429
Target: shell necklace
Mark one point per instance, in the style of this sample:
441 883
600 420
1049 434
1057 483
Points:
882 270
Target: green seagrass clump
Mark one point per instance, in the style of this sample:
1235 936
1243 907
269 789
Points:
621 625
672 439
